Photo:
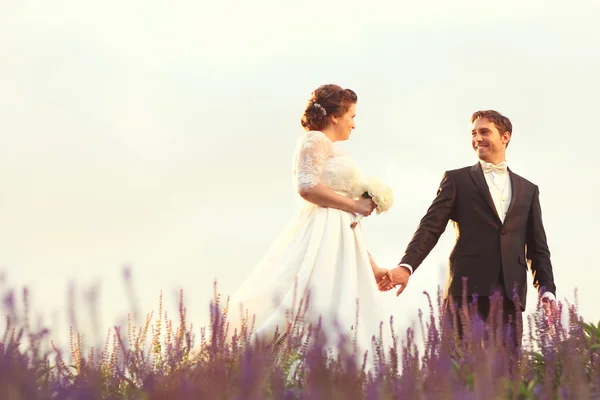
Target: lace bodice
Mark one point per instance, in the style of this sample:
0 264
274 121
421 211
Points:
318 160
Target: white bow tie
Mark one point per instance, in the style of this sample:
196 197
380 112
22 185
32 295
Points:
500 168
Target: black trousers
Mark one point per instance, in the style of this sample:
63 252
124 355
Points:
498 313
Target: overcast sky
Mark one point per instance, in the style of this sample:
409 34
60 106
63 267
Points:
160 135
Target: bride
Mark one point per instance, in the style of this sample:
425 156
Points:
318 262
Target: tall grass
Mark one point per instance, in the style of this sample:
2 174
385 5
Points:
163 358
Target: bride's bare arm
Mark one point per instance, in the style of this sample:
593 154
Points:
323 196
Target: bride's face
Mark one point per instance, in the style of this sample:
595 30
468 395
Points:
345 124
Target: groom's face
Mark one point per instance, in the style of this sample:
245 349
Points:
488 142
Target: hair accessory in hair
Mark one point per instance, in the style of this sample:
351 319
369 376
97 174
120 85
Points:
323 110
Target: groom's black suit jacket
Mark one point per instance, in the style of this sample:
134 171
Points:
485 247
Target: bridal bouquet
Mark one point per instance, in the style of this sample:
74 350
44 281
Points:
373 189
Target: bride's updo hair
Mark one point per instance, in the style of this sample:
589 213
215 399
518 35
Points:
325 101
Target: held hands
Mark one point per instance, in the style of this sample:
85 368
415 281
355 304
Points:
382 275
397 276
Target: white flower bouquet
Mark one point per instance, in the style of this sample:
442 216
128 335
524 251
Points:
374 189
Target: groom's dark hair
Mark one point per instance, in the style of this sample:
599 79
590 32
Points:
502 123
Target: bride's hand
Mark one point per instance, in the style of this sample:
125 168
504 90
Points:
383 277
364 206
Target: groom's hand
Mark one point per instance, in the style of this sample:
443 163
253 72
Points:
550 309
400 276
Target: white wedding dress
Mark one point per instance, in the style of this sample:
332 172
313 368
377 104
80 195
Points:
320 252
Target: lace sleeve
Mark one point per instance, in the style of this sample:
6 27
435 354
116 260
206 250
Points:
313 149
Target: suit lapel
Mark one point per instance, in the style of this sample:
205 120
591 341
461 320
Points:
477 176
516 187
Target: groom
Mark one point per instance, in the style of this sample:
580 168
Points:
499 231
